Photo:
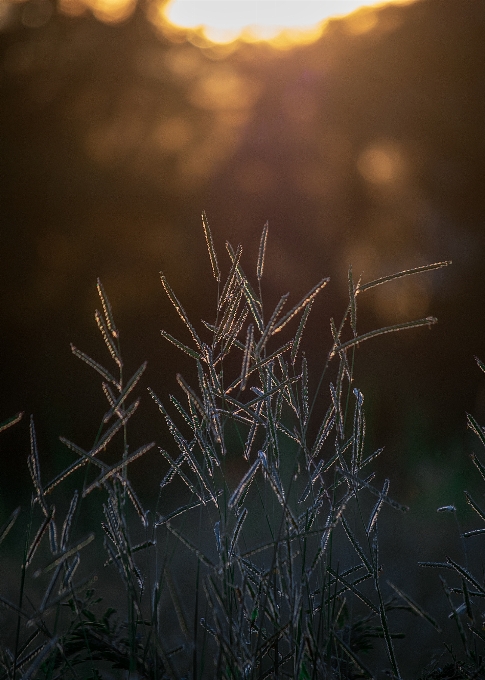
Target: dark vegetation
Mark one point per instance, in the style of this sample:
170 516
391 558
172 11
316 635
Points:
261 556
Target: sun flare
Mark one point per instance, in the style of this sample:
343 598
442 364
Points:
275 21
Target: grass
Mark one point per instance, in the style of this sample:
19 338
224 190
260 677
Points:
260 558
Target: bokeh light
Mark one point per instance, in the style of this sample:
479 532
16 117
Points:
282 22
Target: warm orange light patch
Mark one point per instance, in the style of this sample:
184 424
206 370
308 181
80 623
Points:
109 11
279 22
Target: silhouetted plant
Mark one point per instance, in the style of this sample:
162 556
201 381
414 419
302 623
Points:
285 559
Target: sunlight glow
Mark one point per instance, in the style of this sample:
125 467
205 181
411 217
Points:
275 21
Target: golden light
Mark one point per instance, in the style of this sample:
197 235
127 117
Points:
280 22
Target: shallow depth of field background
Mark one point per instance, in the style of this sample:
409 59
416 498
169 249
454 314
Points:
366 147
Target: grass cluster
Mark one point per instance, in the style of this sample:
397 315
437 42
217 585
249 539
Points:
261 556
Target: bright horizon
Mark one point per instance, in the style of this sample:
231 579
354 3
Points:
223 21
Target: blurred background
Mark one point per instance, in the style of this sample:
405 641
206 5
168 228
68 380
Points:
362 144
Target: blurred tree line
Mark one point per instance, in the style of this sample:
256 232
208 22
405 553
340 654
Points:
364 148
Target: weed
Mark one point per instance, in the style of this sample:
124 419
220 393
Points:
267 563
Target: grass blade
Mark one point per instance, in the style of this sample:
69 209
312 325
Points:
205 560
299 332
352 302
108 339
108 313
229 316
180 310
348 651
247 355
377 507
34 468
237 530
308 297
382 611
428 321
94 364
116 468
66 527
244 484
415 607
466 574
11 421
38 537
252 299
124 393
191 352
65 555
480 363
356 545
472 503
9 524
479 465
268 331
325 428
228 289
473 425
417 270
210 247
262 251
